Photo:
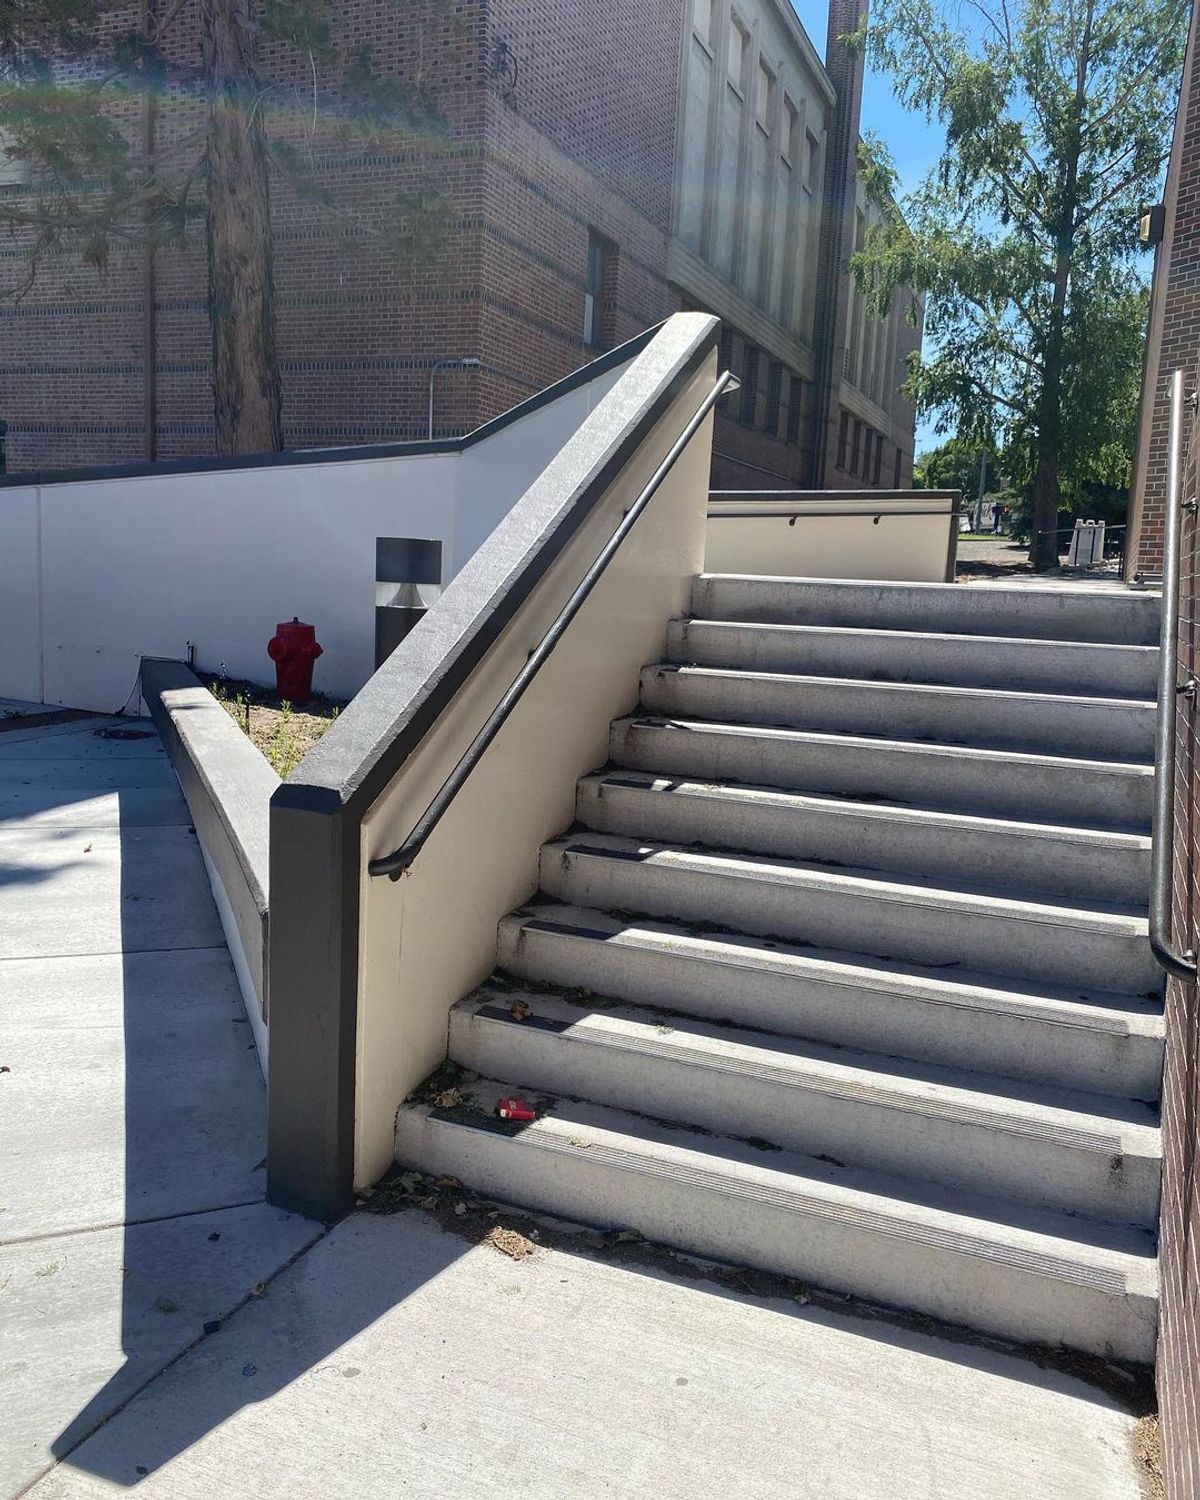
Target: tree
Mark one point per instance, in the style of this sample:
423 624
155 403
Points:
954 465
1058 117
72 73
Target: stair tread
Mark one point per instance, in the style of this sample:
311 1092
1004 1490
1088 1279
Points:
948 691
877 809
1113 1012
979 754
1084 1122
1104 1256
894 632
910 890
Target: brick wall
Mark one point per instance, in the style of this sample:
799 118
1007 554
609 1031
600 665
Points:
1178 1373
570 130
543 131
1174 334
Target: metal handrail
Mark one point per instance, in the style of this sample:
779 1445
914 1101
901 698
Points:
792 516
1181 965
394 865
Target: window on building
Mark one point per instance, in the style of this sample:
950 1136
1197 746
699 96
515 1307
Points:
599 308
726 347
765 101
843 431
774 397
739 39
795 405
14 170
749 385
790 144
878 457
856 448
896 480
812 162
702 20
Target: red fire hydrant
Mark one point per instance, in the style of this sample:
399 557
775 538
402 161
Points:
293 648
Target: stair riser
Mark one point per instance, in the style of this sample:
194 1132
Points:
1104 799
1036 613
992 857
1053 726
858 1131
895 1023
922 933
833 1252
1050 667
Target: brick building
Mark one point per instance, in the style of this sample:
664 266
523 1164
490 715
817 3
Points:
1173 344
590 179
1174 332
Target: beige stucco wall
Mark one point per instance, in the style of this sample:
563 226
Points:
429 937
879 544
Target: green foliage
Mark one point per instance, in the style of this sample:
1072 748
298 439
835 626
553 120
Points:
954 465
1022 238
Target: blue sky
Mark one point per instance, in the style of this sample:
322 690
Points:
914 144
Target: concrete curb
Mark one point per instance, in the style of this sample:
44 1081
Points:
228 784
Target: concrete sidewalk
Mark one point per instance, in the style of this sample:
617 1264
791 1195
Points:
164 1329
132 1106
394 1359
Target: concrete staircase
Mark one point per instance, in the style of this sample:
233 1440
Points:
843 972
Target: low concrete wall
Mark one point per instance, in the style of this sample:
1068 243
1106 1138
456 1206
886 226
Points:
898 536
365 970
228 784
102 569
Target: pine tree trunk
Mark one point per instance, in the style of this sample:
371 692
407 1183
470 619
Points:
247 396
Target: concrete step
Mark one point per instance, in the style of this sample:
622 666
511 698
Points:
1044 611
1056 1036
1071 667
1074 1152
859 910
1022 1274
1062 789
986 853
1042 723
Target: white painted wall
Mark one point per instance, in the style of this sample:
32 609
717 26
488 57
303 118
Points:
97 574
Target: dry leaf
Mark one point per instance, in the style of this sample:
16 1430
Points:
448 1098
519 1011
509 1243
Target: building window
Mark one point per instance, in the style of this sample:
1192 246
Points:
726 347
765 102
812 162
599 297
14 171
774 397
896 481
843 431
749 385
878 457
795 401
790 143
739 39
702 21
856 450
